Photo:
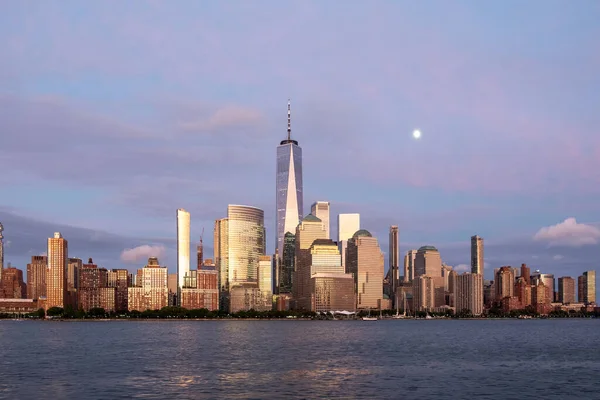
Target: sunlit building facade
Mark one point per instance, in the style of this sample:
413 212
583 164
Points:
151 292
56 276
587 287
36 277
348 224
265 277
566 290
310 229
332 292
477 255
289 193
91 280
365 260
469 293
183 247
320 209
12 285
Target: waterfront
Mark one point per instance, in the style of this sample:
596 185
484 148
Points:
497 359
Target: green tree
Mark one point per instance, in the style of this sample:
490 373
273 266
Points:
55 311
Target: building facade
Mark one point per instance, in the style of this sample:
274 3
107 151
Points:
151 292
477 255
348 224
183 248
289 186
566 290
56 276
393 259
310 229
36 277
429 262
120 280
321 209
11 284
587 287
469 293
366 261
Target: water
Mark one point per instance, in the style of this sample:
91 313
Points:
511 359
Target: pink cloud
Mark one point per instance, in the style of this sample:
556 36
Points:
140 254
568 233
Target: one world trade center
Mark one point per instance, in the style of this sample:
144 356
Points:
289 190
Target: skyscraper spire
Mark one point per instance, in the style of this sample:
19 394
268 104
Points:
289 121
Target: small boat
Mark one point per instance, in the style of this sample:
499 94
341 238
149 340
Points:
369 318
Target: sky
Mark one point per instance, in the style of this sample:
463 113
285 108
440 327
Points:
114 114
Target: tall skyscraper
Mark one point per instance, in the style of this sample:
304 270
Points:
239 244
477 255
566 290
1 250
289 198
320 209
183 249
469 293
393 258
309 230
548 280
36 277
428 262
151 291
587 287
56 276
409 265
365 260
348 225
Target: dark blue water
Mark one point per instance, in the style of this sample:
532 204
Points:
512 359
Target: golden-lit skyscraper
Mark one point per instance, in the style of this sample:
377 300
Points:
151 291
477 255
504 283
469 293
409 265
429 262
183 249
56 276
310 229
320 209
36 277
348 224
587 287
423 293
566 290
365 260
239 244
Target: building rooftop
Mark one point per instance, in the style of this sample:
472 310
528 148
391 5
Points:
324 242
362 233
427 248
311 218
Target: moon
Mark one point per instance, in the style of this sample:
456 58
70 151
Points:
416 133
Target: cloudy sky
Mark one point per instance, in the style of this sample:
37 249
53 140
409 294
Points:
114 114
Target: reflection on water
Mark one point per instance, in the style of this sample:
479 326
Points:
298 359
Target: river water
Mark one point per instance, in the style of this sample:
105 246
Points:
389 359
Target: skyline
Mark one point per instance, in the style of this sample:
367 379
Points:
195 125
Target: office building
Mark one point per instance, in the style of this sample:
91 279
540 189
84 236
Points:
526 274
409 265
504 283
289 200
548 280
265 278
332 292
310 229
348 224
286 264
320 209
183 248
56 276
365 260
36 277
477 255
566 290
423 293
73 267
429 262
200 254
587 287
91 280
469 293
239 244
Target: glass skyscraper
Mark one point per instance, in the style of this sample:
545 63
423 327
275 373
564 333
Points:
289 187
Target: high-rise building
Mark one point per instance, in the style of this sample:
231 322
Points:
1 250
566 290
393 258
348 224
587 287
183 248
120 279
548 280
469 293
265 278
239 244
36 277
289 199
409 265
150 292
423 293
12 285
504 283
91 280
429 262
286 264
320 209
477 255
526 274
200 254
365 260
310 229
73 267
56 276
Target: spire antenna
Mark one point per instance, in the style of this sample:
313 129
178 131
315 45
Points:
289 131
